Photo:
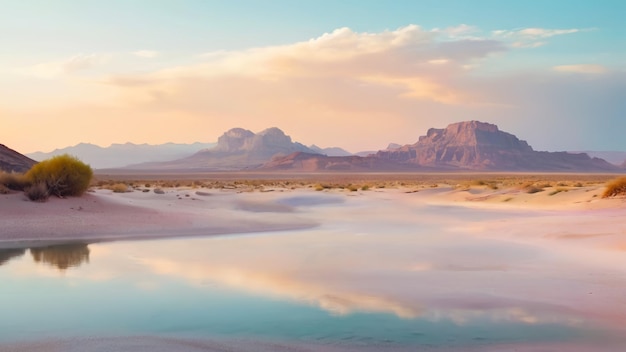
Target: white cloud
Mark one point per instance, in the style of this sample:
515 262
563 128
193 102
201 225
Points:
69 66
531 37
582 68
147 54
460 31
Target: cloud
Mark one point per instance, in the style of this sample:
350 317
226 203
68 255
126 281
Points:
70 66
403 58
146 54
357 90
531 37
582 68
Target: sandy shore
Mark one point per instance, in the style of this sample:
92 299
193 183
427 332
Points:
104 215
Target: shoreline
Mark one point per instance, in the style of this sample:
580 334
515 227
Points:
103 215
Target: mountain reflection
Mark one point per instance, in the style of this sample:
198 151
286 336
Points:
8 254
62 256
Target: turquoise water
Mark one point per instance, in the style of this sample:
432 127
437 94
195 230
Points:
399 276
64 292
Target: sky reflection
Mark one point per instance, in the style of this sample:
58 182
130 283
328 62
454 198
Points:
346 276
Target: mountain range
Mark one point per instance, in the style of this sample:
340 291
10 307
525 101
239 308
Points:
469 145
121 155
236 149
12 161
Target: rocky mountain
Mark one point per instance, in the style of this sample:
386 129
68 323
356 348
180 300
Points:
474 145
614 157
306 162
120 155
332 151
12 161
236 149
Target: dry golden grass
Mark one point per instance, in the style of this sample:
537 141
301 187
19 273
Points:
241 181
616 187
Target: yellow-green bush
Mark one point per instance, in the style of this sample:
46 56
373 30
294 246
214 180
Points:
616 187
63 175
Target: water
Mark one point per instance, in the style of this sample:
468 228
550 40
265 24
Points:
348 283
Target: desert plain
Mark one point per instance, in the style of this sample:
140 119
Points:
535 251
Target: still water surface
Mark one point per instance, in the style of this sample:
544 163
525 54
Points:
352 284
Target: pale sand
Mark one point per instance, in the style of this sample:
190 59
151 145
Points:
104 215
576 224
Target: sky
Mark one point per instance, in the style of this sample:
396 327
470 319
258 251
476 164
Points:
357 74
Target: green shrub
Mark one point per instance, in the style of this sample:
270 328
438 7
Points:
38 192
63 175
14 181
616 187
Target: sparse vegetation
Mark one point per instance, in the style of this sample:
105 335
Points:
615 188
14 181
557 191
37 192
531 188
120 188
63 175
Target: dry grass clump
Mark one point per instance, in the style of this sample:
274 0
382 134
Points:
119 188
531 188
38 192
14 181
614 188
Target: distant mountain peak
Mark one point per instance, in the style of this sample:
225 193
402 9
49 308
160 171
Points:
233 139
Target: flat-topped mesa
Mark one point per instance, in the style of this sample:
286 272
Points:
12 161
474 134
477 145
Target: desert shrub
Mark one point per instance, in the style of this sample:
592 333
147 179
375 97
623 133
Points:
119 188
14 181
38 192
63 175
365 188
353 188
616 187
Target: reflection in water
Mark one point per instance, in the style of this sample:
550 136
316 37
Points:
8 254
62 256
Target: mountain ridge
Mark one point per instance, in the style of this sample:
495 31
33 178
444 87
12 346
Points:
236 149
12 161
468 145
119 155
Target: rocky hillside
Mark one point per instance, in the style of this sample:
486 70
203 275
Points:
474 145
236 149
12 161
